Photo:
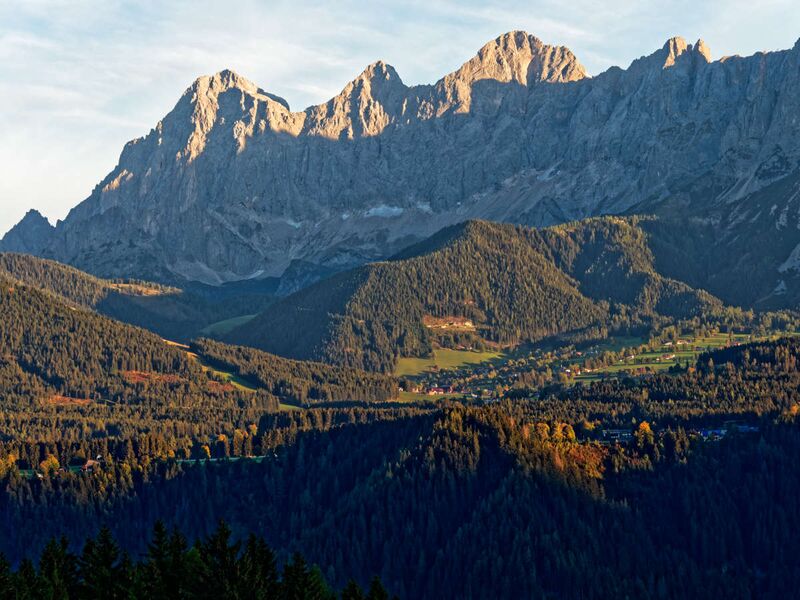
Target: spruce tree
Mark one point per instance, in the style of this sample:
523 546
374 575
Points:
58 571
103 570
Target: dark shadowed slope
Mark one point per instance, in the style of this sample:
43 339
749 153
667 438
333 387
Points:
171 312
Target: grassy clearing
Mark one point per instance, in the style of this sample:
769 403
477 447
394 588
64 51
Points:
666 356
236 381
617 343
228 377
443 358
138 289
226 326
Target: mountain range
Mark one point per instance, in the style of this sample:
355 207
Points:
232 185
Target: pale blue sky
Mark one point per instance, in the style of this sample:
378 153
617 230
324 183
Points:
79 78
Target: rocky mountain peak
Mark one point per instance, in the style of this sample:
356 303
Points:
676 49
702 49
35 216
515 58
208 88
28 236
520 57
675 52
204 101
378 70
377 82
364 108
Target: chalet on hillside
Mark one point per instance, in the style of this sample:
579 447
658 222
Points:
90 465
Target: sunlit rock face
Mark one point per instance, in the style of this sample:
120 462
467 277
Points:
232 184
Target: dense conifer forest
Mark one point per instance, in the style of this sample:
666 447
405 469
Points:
300 382
671 485
67 373
438 500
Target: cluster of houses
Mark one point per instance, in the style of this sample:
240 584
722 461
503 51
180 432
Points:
89 466
611 436
728 428
618 435
485 380
441 390
432 390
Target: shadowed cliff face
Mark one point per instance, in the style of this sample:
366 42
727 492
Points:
232 184
30 235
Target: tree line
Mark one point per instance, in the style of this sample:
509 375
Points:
214 568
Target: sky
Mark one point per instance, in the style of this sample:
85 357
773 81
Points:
79 78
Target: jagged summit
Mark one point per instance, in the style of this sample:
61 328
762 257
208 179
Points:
516 56
530 60
701 48
676 47
376 79
676 52
522 58
35 215
214 85
379 69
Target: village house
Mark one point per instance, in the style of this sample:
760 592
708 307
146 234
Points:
622 435
90 465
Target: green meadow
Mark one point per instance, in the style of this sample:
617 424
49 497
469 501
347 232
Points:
226 326
443 359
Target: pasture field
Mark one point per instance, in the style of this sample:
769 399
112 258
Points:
443 359
238 382
234 380
668 355
231 378
226 326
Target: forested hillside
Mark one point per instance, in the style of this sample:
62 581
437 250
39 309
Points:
104 424
299 382
68 368
171 312
498 284
52 348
